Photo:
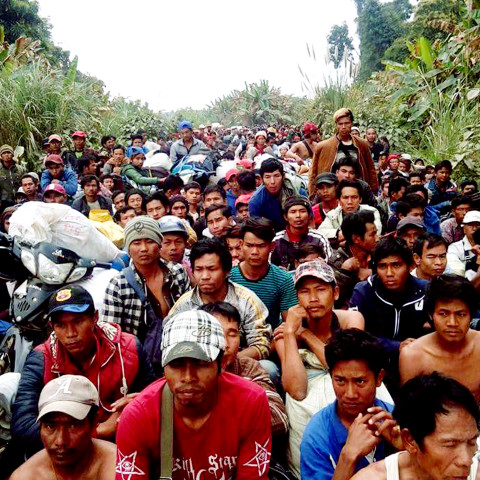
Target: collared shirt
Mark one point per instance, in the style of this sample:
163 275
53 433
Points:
451 231
122 305
253 315
460 259
179 150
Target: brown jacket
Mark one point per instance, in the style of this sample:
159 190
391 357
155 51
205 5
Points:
324 156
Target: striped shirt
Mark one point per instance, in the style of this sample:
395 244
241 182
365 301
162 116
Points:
275 290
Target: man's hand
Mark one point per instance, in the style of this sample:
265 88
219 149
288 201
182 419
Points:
383 425
406 342
55 180
364 273
361 438
107 429
278 332
121 403
293 324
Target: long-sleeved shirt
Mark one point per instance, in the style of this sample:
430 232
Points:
68 180
179 150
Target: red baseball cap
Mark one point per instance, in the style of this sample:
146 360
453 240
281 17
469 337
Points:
245 163
79 133
309 127
53 158
231 173
55 187
245 199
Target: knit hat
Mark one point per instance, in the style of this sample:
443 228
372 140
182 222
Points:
142 227
343 112
6 148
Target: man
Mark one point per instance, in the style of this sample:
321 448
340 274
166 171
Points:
273 285
193 195
340 146
430 256
438 418
326 195
212 195
417 177
297 214
87 165
91 199
9 176
234 239
55 144
300 344
269 200
219 219
461 255
234 188
354 430
469 187
124 215
303 150
80 345
349 194
67 412
241 206
409 229
174 241
453 349
187 145
211 264
157 205
452 230
442 189
29 183
118 199
391 300
375 147
55 193
133 174
56 173
141 295
352 263
71 158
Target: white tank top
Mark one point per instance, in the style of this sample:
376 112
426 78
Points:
391 466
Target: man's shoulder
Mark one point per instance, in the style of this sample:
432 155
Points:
34 467
279 274
148 400
281 235
374 471
242 389
322 424
244 292
326 143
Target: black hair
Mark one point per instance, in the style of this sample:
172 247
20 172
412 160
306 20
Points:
171 182
29 175
246 180
135 191
414 200
85 162
430 240
396 184
234 232
105 176
346 162
402 208
208 246
178 198
461 200
106 138
260 227
89 178
417 173
119 147
444 164
349 183
191 185
423 398
354 344
222 183
226 211
117 216
415 189
450 287
309 249
391 246
223 308
271 165
468 182
136 137
297 201
356 224
161 197
214 188
115 193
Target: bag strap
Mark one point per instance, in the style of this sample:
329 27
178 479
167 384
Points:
307 146
166 435
133 282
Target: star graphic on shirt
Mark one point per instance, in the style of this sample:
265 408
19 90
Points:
261 460
126 466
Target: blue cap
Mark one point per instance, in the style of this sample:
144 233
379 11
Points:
134 151
185 124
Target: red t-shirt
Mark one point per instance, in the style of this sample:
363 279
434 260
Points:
234 443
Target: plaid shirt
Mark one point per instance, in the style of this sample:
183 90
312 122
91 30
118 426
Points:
122 305
253 314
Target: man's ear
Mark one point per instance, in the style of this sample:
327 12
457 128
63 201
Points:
409 443
336 293
380 377
355 238
272 246
417 259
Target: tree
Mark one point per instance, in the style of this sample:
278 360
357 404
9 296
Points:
340 44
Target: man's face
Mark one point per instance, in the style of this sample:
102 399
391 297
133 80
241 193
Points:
213 198
316 297
410 235
119 201
218 223
344 126
416 180
235 249
433 260
179 210
233 184
91 168
468 189
137 160
416 212
54 197
469 229
135 201
66 439
451 319
55 170
90 189
156 209
231 331
75 331
459 212
79 143
393 164
126 217
385 189
186 134
326 192
242 212
371 135
298 217
144 251
442 176
29 186
7 157
396 196
382 161
255 250
346 173
273 182
173 247
355 387
55 146
108 183
118 155
193 196
137 142
209 274
393 272
403 167
191 381
448 452
370 239
349 200
110 143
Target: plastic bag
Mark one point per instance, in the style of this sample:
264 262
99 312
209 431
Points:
63 226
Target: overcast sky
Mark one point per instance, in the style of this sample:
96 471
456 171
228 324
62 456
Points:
175 54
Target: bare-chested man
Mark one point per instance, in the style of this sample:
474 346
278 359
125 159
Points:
68 407
303 150
453 349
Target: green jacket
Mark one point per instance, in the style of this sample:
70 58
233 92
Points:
10 181
137 178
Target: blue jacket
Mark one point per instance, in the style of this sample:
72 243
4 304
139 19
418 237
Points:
68 180
392 317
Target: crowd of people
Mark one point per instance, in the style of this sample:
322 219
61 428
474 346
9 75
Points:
307 311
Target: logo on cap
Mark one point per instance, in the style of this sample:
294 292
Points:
138 227
63 295
202 332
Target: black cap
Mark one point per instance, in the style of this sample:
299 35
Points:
326 177
293 201
72 299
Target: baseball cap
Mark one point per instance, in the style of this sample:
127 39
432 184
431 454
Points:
6 148
172 224
471 217
245 199
406 156
34 175
132 151
72 299
54 137
79 133
53 158
74 395
410 222
309 127
192 334
326 177
185 124
55 187
317 269
271 130
245 163
201 126
355 129
231 173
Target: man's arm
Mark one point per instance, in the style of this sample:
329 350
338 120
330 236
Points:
70 183
454 262
292 153
113 305
410 362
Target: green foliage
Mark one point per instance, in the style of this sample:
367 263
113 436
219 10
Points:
340 44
